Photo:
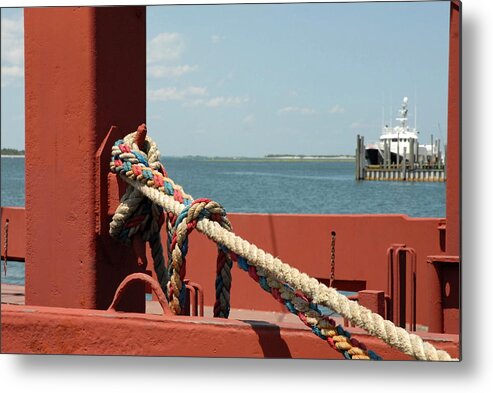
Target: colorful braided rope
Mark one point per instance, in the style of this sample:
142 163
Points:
308 312
184 224
133 164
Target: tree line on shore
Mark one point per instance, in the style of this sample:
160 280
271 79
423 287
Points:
12 152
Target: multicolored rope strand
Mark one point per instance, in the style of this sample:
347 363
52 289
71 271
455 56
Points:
132 164
309 313
137 214
183 226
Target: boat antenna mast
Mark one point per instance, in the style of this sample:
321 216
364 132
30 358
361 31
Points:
416 115
403 112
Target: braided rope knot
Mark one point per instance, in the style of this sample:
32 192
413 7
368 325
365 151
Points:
184 224
136 213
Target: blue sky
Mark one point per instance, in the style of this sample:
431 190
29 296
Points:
250 80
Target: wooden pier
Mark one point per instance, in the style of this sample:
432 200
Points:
414 168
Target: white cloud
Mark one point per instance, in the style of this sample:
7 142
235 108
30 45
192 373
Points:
226 101
14 71
228 78
10 74
162 71
164 94
12 54
174 94
12 27
296 109
164 55
196 91
248 119
215 38
216 102
194 96
166 47
336 109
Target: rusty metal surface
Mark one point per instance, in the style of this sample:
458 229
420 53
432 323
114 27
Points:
361 263
79 81
454 120
304 242
443 259
161 297
194 304
374 301
78 331
401 288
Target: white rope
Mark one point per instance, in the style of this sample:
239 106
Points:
362 317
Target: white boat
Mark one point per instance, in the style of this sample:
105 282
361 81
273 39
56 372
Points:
401 142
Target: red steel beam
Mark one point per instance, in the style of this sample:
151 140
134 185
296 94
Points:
373 300
453 237
72 331
85 70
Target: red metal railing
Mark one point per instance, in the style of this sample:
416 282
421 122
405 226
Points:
402 274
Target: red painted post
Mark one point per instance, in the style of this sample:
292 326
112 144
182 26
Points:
85 70
373 300
454 132
434 295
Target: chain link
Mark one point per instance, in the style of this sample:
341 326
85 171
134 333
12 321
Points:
332 258
5 246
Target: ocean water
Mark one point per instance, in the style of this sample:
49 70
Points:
12 194
268 187
302 187
12 181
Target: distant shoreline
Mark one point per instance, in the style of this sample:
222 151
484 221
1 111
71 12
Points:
263 159
273 158
244 159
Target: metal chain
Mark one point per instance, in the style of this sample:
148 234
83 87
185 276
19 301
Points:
332 258
5 246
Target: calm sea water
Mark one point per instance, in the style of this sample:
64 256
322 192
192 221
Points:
269 187
12 194
303 187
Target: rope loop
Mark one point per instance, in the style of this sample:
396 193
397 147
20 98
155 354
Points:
5 246
137 214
